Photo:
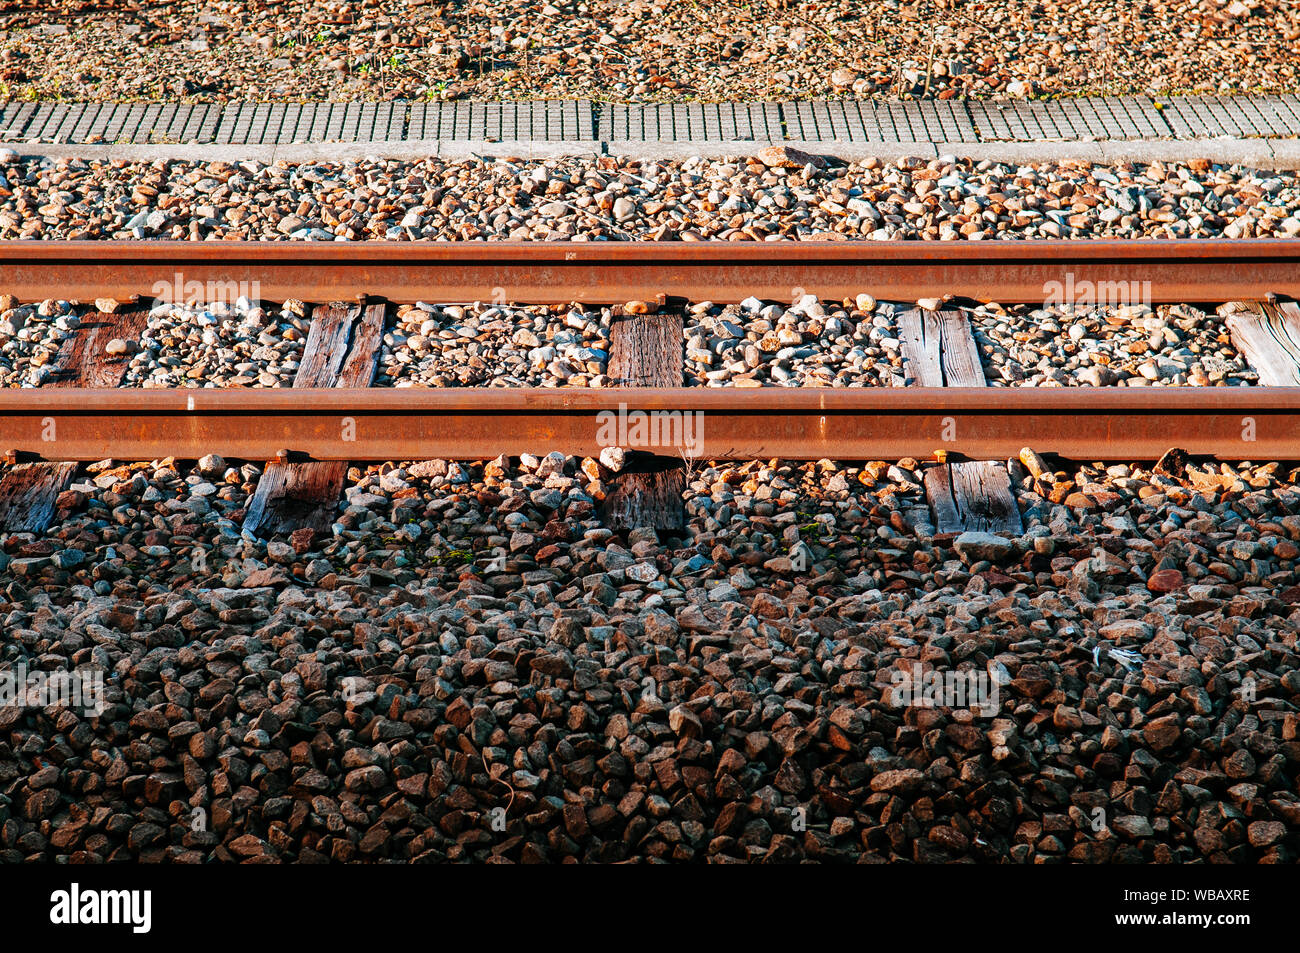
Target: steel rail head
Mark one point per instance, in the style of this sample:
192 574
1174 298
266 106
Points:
605 272
418 401
713 423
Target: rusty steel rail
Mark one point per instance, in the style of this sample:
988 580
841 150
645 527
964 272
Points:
607 272
474 424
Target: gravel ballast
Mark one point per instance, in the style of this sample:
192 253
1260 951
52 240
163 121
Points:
778 194
394 691
808 343
645 50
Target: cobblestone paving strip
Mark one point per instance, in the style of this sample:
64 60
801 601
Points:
849 121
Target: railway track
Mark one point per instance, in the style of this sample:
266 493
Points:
253 423
332 416
477 643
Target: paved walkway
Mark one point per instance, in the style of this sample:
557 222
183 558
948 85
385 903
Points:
1251 129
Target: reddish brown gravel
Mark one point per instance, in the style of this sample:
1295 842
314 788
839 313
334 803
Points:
643 50
394 691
